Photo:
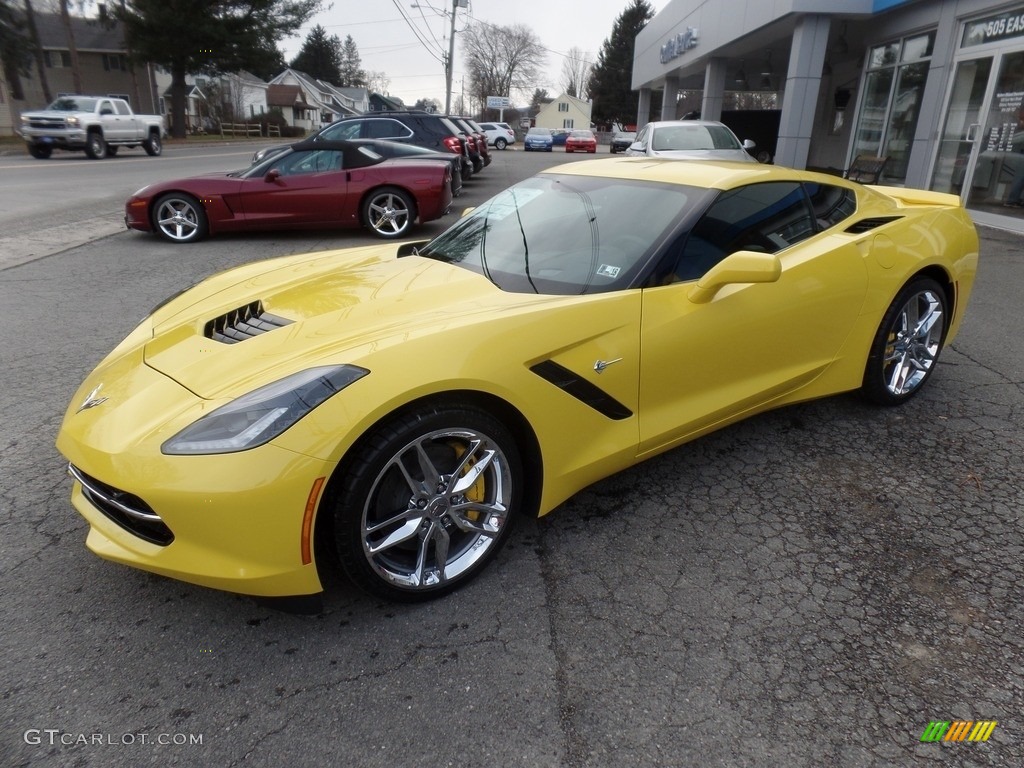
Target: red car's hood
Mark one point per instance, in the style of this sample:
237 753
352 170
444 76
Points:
211 183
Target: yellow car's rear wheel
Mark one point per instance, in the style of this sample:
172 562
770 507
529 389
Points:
907 345
426 502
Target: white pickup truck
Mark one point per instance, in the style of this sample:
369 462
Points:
97 124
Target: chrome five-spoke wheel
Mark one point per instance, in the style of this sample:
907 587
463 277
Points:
389 212
428 502
908 342
179 218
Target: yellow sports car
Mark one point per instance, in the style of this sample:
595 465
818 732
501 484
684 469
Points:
400 405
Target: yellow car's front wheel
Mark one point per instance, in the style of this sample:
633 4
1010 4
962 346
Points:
426 501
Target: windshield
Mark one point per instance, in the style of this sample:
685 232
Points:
671 137
564 235
68 104
539 131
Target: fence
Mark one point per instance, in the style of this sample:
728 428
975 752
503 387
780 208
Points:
245 129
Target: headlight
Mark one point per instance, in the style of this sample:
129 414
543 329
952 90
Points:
73 121
25 120
263 414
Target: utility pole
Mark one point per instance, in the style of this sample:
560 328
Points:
450 63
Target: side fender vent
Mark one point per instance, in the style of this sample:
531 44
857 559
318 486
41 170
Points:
581 389
243 323
866 225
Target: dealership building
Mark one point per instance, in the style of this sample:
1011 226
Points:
933 86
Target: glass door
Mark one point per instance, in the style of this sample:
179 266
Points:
997 181
960 133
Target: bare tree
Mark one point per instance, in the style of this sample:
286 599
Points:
377 81
576 72
501 59
30 18
76 67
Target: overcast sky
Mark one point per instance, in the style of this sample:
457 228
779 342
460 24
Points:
388 44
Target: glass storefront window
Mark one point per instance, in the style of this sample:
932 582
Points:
891 102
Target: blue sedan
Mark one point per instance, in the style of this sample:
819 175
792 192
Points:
538 139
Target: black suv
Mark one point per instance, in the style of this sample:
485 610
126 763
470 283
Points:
423 129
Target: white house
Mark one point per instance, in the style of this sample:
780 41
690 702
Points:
566 112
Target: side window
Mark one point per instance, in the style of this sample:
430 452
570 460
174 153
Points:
122 108
759 217
831 204
343 131
105 108
386 129
311 161
641 137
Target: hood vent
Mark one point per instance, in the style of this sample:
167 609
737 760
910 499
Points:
243 323
866 225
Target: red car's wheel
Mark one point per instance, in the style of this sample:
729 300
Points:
179 218
389 212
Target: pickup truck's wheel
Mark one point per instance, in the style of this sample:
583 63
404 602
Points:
95 146
179 218
153 145
111 151
39 152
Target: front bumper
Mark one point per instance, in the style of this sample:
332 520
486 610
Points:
240 522
71 139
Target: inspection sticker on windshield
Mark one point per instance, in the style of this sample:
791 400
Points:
607 270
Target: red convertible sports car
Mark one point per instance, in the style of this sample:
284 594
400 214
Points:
310 185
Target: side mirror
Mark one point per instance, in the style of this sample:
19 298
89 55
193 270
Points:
739 267
106 111
748 145
636 146
272 175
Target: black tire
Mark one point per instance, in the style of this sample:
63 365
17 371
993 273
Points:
95 146
153 145
39 151
440 483
764 156
110 151
906 346
500 143
179 218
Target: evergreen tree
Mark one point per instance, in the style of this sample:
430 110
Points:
187 37
320 56
352 74
610 86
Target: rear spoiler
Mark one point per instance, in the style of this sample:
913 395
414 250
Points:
908 196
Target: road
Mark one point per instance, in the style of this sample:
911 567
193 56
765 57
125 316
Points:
811 587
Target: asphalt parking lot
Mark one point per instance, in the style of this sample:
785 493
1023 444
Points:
811 587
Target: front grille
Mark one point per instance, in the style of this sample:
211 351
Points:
243 323
47 122
127 510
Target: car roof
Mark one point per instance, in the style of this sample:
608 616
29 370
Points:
706 174
662 123
351 152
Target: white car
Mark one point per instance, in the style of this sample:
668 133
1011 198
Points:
499 135
690 140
